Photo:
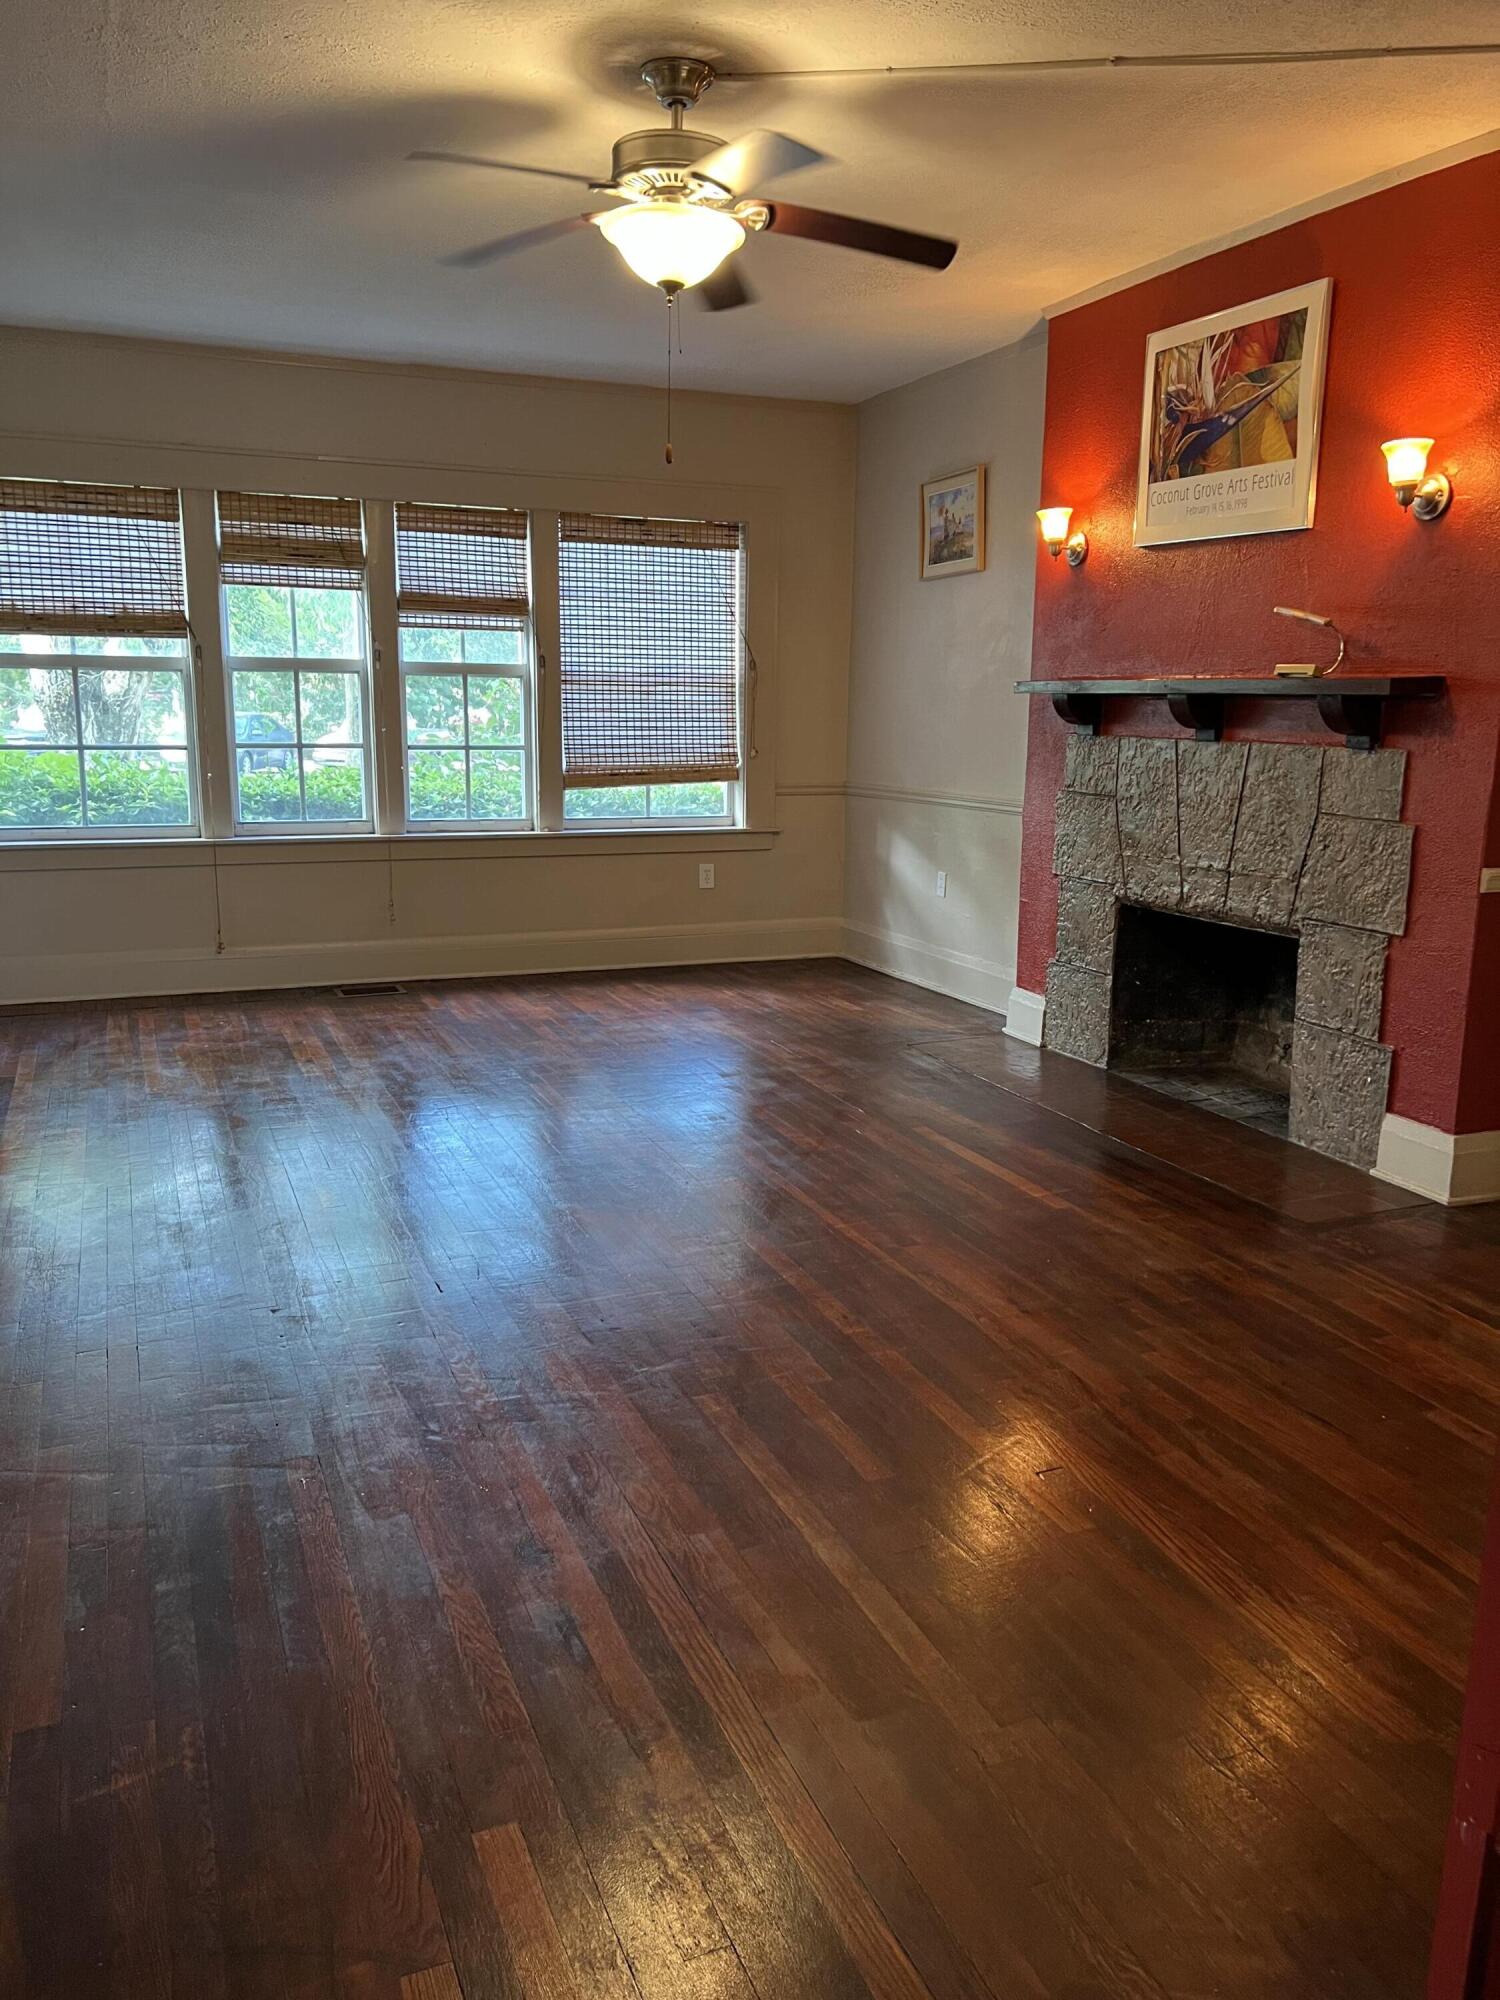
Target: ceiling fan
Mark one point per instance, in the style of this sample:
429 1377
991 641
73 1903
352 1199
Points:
688 201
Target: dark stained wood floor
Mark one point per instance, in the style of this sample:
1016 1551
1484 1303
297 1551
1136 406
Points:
663 1487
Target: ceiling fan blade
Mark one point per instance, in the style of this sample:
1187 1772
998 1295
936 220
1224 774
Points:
819 226
522 239
756 157
504 166
724 290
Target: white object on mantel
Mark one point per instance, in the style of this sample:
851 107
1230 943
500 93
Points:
1455 1168
1024 1014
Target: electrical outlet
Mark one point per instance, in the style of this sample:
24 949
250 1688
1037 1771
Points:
705 874
940 887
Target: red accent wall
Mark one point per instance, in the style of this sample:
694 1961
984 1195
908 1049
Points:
1414 346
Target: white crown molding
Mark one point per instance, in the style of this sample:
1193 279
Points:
1456 1168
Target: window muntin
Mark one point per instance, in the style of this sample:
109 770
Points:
463 609
652 616
95 697
297 651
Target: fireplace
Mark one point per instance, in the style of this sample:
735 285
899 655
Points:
1205 1011
1223 915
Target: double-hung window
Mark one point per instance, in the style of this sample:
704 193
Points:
296 641
463 607
652 618
95 700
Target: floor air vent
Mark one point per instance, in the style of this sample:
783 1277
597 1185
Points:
377 991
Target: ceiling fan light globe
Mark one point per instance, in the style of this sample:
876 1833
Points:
673 244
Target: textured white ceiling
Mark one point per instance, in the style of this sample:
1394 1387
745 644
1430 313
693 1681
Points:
235 172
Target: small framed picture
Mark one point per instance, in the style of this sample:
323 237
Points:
953 523
1229 428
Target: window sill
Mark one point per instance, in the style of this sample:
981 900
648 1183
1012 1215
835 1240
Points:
261 850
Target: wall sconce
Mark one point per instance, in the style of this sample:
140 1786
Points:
1426 493
1054 525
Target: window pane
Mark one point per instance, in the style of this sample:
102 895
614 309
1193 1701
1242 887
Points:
495 710
422 645
329 626
131 706
434 708
36 705
112 646
702 800
259 620
495 649
265 709
332 711
498 784
269 791
335 784
40 788
137 788
606 802
19 715
435 782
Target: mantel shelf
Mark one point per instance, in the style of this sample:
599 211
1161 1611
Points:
1352 705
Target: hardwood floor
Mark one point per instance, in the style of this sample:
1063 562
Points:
681 1485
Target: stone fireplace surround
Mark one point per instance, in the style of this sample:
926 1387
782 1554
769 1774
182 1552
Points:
1299 840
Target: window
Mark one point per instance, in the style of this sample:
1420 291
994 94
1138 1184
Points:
652 622
95 706
463 606
292 572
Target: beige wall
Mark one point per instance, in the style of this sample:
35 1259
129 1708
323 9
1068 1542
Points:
78 921
937 737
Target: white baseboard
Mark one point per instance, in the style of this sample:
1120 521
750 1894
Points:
1024 1014
1457 1168
142 974
961 975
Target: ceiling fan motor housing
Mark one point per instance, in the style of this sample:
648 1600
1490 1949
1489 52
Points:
661 162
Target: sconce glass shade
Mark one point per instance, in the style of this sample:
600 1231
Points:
1054 524
1406 460
673 244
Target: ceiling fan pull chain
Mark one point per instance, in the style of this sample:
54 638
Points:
669 378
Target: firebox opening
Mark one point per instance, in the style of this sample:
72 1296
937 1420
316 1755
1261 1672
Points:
1203 1011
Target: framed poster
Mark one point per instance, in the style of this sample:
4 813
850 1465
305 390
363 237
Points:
953 523
1229 427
